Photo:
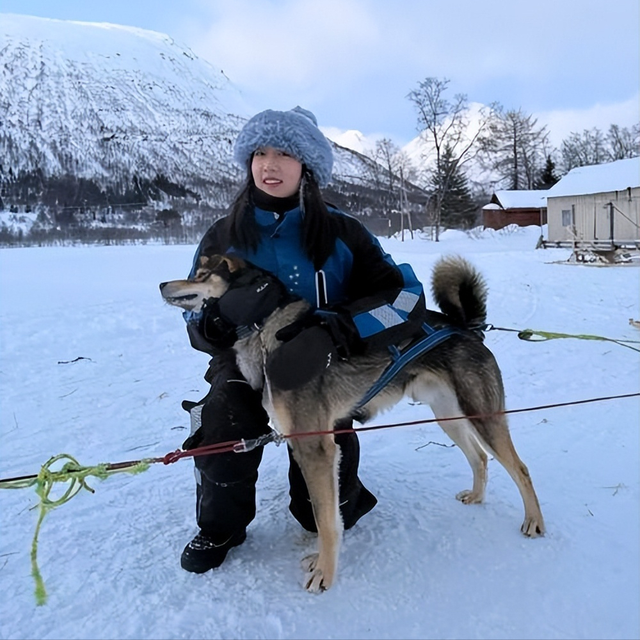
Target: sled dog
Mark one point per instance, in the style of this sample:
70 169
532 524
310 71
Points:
459 379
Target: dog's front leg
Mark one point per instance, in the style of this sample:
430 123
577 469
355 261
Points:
318 458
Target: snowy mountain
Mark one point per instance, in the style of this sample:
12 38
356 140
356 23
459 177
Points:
421 151
101 117
351 139
102 101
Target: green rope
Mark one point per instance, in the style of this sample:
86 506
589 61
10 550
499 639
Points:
74 474
542 336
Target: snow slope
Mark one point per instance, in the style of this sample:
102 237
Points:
103 100
115 104
420 565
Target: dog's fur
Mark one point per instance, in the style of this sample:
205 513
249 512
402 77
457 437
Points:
459 379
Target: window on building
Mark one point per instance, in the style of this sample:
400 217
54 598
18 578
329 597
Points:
566 217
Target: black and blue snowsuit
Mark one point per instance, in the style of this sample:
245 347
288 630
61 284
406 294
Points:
385 303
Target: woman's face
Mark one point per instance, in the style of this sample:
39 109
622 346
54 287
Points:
276 172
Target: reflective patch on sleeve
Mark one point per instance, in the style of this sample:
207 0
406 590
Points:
196 418
377 320
406 301
388 316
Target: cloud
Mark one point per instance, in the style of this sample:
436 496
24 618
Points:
353 61
280 45
562 122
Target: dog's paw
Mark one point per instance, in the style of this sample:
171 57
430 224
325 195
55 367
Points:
532 527
316 580
309 562
469 497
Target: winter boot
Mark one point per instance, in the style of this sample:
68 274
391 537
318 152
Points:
204 553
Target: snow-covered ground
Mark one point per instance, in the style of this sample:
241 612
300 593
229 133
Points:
420 565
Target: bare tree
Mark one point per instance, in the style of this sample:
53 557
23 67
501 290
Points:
384 155
446 123
516 148
593 147
387 167
623 142
396 167
581 149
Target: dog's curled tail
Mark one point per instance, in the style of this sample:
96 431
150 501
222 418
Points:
460 292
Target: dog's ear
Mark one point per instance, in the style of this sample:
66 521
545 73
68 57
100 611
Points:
211 263
206 266
234 263
219 265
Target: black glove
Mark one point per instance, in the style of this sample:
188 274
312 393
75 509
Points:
215 327
301 359
252 303
338 325
241 306
310 345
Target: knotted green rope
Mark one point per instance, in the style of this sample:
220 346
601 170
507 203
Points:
541 336
74 474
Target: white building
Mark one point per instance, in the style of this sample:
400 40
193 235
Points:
596 206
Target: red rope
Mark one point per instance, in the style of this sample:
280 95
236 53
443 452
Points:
240 445
225 447
220 447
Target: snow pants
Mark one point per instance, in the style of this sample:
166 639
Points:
226 482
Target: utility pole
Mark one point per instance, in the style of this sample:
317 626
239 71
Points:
404 206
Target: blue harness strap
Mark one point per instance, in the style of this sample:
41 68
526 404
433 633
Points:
400 359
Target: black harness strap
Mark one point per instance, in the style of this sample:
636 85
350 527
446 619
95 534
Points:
400 359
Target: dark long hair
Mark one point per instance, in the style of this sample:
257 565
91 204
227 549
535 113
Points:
318 235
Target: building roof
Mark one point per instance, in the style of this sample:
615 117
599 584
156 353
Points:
518 200
598 178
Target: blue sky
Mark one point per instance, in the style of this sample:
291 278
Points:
574 65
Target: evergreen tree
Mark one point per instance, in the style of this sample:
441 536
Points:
457 208
548 175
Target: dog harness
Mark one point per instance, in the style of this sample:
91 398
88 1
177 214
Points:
401 358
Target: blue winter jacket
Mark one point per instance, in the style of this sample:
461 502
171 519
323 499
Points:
385 301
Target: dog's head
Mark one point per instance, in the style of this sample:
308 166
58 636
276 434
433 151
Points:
211 280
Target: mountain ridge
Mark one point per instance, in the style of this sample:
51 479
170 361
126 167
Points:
100 120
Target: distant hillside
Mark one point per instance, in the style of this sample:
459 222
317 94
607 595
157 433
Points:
113 130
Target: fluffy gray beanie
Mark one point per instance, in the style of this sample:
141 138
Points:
296 132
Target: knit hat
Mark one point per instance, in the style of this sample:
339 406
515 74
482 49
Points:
295 132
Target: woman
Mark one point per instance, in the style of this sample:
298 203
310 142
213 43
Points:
280 222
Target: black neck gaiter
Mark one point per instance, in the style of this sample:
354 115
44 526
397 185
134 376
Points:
266 202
